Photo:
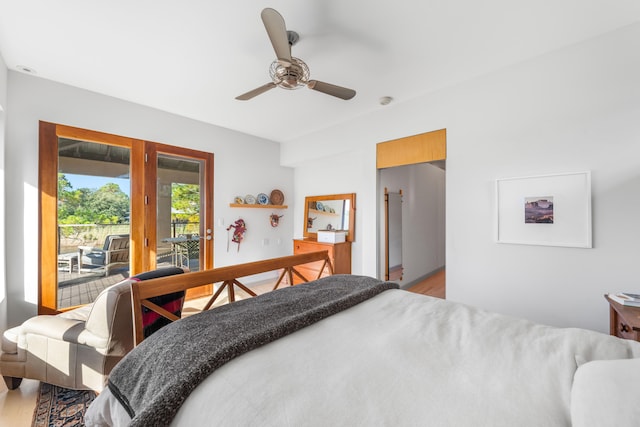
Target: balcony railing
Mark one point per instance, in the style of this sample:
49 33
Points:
70 236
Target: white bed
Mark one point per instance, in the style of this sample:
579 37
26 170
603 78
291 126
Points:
403 359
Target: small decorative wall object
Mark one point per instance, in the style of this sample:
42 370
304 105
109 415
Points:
549 210
275 219
240 229
262 199
277 197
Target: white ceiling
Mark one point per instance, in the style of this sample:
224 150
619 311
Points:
193 57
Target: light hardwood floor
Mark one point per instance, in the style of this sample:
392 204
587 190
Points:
434 285
16 406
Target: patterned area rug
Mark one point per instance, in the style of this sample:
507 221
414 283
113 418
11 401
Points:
59 406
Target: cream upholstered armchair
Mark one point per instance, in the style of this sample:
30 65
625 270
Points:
76 349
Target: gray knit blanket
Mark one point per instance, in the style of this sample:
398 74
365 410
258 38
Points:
154 379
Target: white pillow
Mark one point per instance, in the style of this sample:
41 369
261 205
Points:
606 393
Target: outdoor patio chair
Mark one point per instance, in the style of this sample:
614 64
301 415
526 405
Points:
78 348
187 249
113 254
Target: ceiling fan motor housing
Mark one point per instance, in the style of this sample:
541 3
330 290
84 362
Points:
293 76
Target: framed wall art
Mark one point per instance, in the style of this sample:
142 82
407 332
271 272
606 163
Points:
550 210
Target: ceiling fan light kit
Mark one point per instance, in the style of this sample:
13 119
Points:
288 72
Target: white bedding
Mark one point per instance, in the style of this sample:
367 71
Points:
398 359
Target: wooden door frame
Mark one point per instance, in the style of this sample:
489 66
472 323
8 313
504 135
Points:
152 149
421 148
142 215
426 147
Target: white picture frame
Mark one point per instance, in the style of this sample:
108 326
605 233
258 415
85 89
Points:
566 210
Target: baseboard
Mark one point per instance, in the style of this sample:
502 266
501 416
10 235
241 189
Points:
407 285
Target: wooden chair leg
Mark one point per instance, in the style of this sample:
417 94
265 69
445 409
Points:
12 382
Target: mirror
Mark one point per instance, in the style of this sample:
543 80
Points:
330 212
393 235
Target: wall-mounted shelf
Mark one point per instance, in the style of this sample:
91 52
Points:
322 212
243 205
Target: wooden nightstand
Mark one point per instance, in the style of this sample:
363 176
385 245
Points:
624 321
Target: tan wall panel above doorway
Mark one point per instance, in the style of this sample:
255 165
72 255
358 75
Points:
425 147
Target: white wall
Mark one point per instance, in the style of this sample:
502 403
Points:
3 283
327 176
243 164
571 110
423 219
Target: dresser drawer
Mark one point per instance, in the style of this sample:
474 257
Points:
309 273
304 247
339 255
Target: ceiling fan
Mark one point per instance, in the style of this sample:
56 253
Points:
286 71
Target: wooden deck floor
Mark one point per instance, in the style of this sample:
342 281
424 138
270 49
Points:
82 288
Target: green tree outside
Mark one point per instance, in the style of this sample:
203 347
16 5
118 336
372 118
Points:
110 205
185 201
106 205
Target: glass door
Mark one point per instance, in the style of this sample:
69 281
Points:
93 219
112 207
181 229
180 185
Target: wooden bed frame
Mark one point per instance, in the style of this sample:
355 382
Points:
142 291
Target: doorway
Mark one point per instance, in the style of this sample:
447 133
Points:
104 208
416 167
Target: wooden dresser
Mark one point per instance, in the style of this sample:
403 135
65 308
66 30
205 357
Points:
624 321
339 253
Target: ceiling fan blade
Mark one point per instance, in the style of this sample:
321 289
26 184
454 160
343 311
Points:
333 90
255 92
277 31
